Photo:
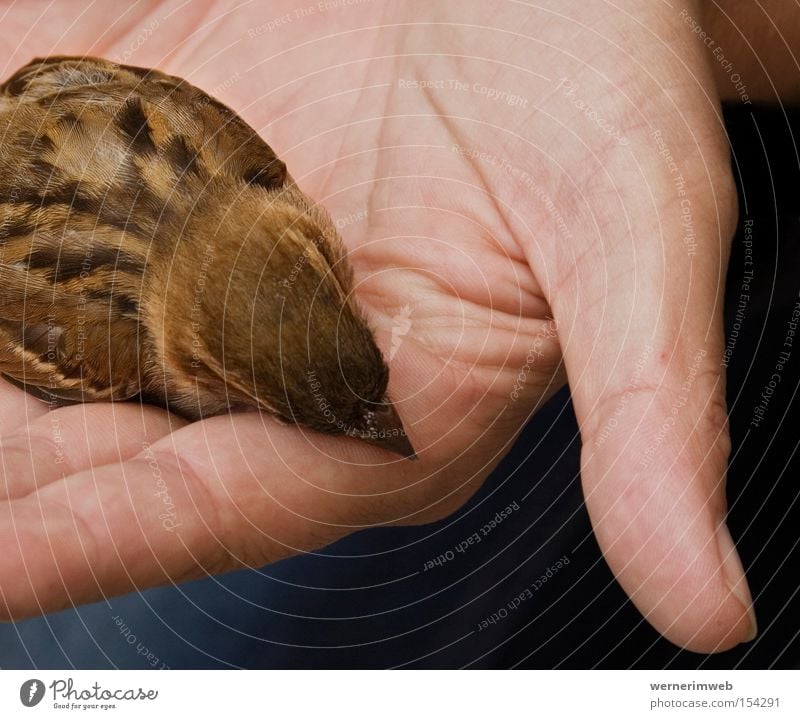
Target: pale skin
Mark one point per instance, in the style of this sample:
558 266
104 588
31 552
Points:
503 226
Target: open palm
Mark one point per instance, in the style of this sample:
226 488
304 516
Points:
471 218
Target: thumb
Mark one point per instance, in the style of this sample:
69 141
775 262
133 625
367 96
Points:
643 347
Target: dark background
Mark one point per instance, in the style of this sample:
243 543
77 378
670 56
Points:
367 601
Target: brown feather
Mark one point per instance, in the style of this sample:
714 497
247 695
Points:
152 244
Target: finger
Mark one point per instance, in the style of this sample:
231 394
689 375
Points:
644 358
17 406
242 490
55 444
228 492
637 294
214 496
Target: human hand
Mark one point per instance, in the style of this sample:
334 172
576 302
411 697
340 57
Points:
107 498
483 218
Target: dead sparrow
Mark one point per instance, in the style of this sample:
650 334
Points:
152 246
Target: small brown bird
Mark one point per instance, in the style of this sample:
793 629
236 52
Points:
152 246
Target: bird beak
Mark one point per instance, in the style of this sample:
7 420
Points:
386 431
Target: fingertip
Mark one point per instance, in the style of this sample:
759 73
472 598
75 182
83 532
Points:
734 575
661 527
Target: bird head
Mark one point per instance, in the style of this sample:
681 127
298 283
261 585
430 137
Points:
273 323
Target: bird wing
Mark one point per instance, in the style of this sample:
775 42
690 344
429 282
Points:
107 161
159 115
75 347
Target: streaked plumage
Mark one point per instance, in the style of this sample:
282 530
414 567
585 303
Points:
153 246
